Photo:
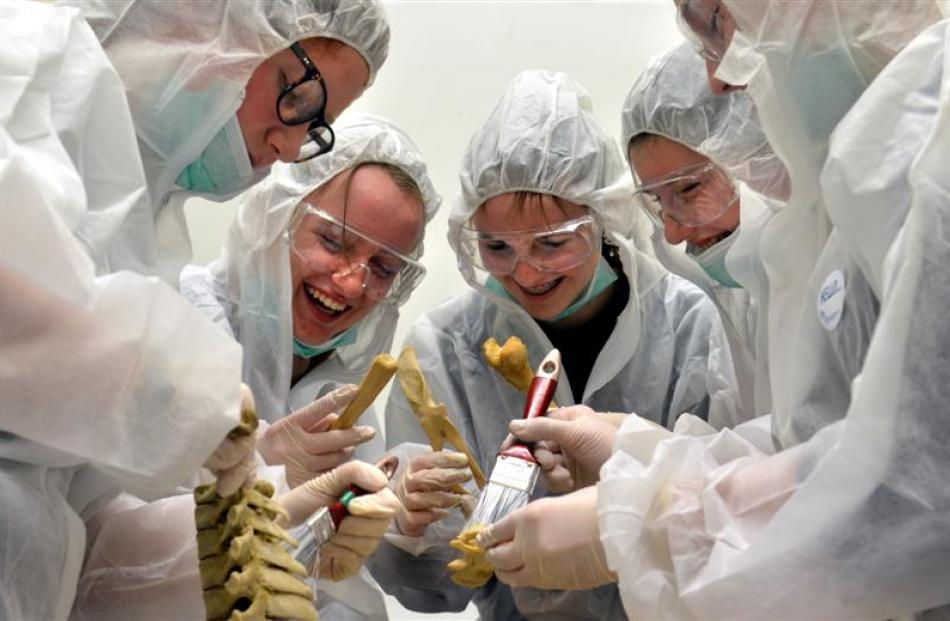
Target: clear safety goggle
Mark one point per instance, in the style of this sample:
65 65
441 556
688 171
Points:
326 244
553 249
692 196
704 24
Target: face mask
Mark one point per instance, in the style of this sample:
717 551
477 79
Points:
603 278
303 350
713 262
224 167
825 86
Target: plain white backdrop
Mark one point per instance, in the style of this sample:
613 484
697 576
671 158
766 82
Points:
449 62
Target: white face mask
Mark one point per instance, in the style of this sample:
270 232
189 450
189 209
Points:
825 87
713 261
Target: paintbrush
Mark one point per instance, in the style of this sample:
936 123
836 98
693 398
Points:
516 471
323 524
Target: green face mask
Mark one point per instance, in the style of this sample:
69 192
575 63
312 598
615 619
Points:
223 168
603 278
713 262
303 350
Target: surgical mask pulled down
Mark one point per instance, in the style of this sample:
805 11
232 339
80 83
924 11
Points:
603 277
304 350
713 261
223 168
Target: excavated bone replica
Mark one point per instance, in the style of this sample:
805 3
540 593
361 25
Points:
380 372
511 362
438 427
246 571
472 570
432 416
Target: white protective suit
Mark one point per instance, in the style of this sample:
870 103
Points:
184 84
895 227
247 291
665 356
848 521
671 98
104 381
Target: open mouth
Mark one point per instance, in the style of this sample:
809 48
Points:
710 242
323 303
541 290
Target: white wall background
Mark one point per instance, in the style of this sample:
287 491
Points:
449 62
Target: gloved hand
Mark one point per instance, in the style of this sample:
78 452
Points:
571 444
359 532
233 462
302 443
424 489
553 543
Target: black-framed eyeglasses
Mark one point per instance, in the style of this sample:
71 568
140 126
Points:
705 24
305 101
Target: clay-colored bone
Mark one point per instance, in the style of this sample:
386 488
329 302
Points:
205 494
244 550
277 606
472 570
433 417
212 541
245 568
258 575
511 362
258 604
209 514
379 374
248 424
220 519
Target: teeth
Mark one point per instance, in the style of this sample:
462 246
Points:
319 297
541 289
711 242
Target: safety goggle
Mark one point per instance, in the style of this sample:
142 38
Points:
552 249
703 23
327 244
693 196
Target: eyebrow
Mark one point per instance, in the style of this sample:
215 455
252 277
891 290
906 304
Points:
488 236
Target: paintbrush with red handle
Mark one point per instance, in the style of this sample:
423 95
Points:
516 471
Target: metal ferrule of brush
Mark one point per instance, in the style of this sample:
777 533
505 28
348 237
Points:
323 524
312 535
516 472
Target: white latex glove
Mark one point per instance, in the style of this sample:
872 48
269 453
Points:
553 543
233 462
425 489
571 444
302 443
360 531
